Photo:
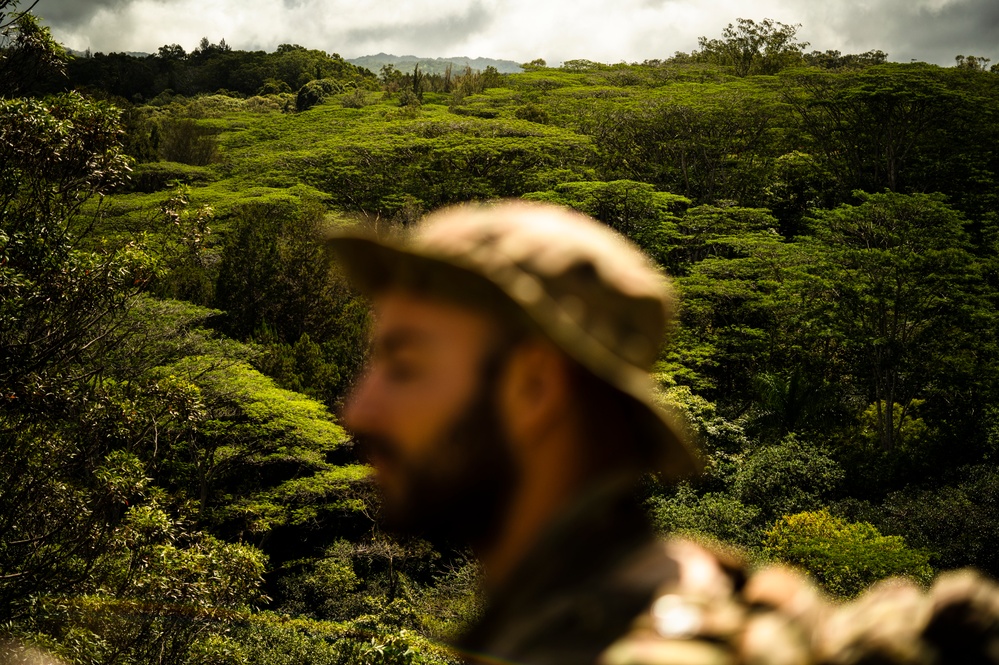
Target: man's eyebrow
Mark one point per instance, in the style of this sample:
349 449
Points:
398 338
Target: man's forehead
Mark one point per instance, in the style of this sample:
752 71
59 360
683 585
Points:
404 317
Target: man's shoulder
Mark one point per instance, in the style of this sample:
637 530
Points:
568 608
619 610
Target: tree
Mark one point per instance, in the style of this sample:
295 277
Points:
241 440
876 128
278 286
634 209
86 547
171 53
976 63
708 231
708 142
835 60
30 60
955 522
904 303
741 302
58 302
713 514
786 401
754 48
65 300
440 161
391 78
59 306
206 50
416 81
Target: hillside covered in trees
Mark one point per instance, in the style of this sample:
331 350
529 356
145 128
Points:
174 343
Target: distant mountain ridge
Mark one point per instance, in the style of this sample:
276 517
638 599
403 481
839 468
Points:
433 65
83 54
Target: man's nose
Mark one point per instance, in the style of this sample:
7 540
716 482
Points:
359 408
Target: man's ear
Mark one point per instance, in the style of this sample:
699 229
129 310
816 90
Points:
534 391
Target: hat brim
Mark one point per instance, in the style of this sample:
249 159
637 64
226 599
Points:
374 264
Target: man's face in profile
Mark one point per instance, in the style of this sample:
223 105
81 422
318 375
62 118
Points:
426 415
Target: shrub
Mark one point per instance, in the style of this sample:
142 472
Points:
787 478
959 522
215 106
845 557
354 100
717 515
449 605
278 640
187 142
409 99
261 104
315 92
324 588
273 86
157 176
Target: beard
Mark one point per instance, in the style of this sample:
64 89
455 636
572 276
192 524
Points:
460 489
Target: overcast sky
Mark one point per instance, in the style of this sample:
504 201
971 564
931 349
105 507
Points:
521 30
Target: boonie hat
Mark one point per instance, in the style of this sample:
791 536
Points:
584 286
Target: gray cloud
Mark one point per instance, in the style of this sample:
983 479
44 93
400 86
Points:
970 27
70 13
430 36
907 30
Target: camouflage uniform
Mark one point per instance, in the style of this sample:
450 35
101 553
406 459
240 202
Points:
778 617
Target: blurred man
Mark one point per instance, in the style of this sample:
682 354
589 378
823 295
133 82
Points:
507 404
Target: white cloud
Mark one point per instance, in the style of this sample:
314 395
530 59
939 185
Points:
602 30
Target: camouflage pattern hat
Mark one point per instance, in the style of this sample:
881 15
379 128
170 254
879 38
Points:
585 287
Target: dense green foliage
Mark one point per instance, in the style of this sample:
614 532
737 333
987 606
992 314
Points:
211 67
173 340
844 557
